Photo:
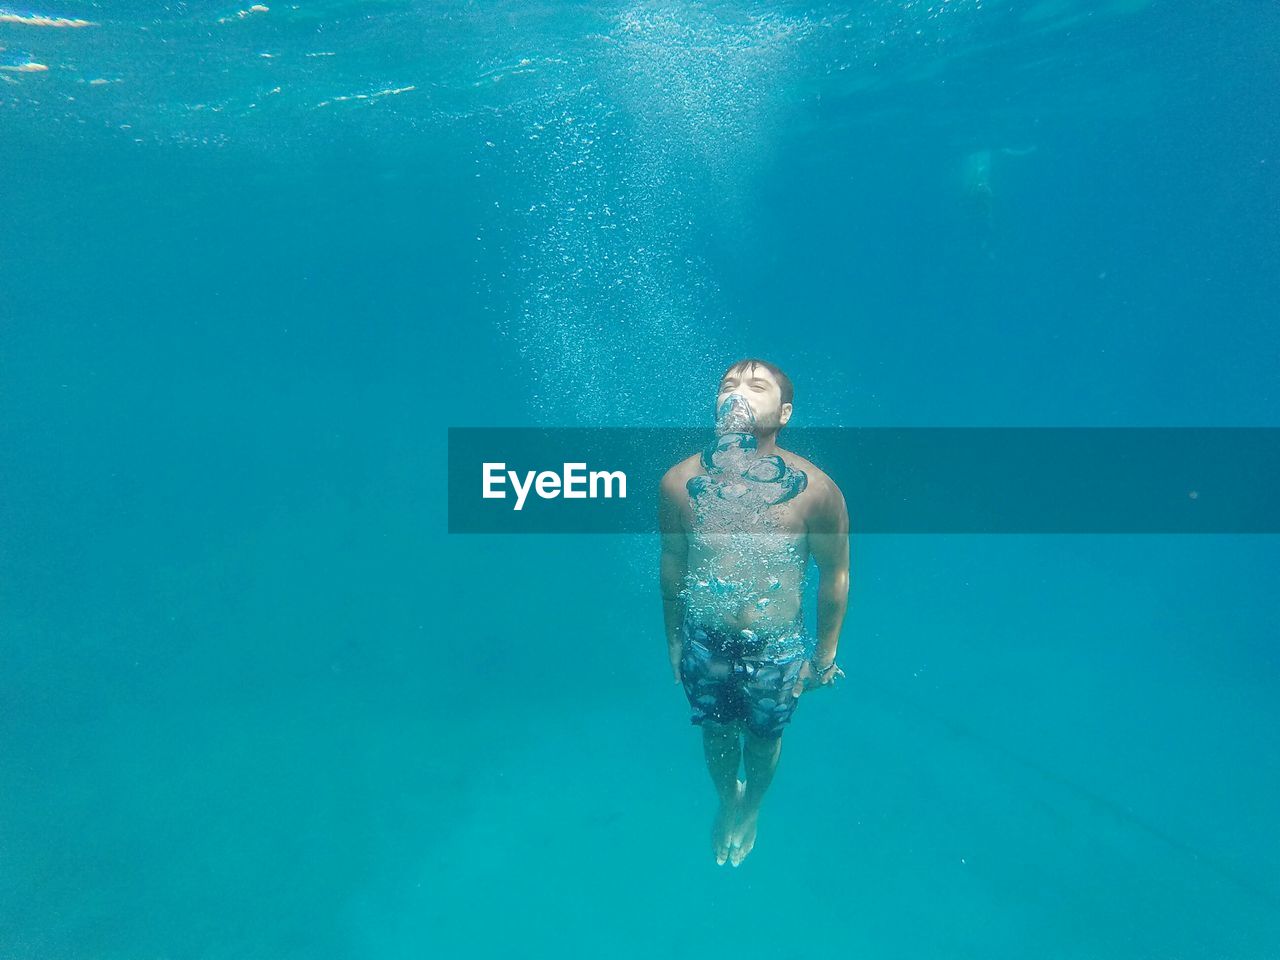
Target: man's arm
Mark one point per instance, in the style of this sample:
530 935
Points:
829 544
674 564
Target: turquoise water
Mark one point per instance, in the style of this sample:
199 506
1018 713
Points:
256 702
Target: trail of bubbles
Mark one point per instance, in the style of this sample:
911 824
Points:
659 122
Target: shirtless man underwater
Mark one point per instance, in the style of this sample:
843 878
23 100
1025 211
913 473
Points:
739 522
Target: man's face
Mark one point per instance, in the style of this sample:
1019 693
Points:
758 387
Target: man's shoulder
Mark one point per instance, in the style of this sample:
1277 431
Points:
821 497
819 481
678 475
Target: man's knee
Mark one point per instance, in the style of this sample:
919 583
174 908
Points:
762 746
720 732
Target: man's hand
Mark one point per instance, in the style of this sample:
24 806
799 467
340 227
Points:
675 650
810 680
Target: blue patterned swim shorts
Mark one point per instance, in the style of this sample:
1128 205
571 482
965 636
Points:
726 683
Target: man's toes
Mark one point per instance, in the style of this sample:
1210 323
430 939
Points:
725 831
735 849
722 835
744 838
724 843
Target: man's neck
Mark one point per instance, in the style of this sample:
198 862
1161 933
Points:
767 446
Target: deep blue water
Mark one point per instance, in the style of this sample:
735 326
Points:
256 703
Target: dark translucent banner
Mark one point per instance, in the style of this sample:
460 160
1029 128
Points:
894 480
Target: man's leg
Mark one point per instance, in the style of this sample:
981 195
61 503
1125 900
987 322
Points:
723 751
760 756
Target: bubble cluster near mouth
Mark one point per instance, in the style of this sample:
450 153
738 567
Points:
735 471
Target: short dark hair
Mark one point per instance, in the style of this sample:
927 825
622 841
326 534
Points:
784 382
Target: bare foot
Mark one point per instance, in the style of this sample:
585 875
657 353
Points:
726 821
744 835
